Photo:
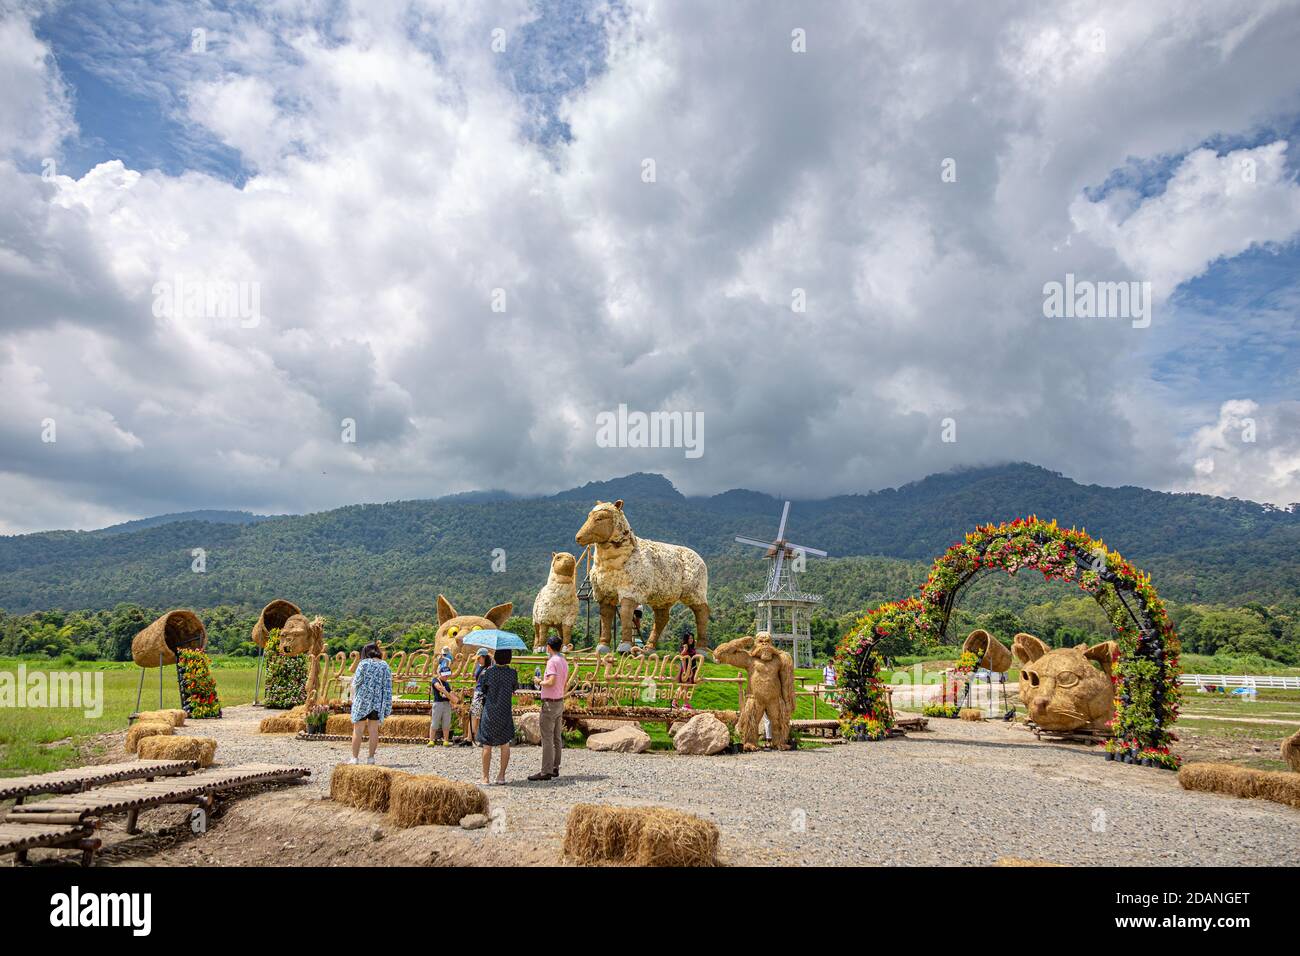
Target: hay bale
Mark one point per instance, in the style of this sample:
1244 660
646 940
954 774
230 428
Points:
1279 786
174 717
159 642
405 725
1291 751
281 724
416 801
364 786
146 728
201 749
273 616
970 713
638 836
339 724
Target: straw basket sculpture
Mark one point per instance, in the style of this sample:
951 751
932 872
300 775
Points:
158 643
993 654
272 617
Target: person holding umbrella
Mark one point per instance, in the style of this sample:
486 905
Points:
497 726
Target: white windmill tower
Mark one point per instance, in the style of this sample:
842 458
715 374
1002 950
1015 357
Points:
781 608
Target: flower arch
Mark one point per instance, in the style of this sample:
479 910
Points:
1145 677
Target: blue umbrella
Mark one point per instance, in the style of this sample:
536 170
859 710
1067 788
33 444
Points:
495 640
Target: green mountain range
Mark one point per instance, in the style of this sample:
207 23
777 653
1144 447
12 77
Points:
395 558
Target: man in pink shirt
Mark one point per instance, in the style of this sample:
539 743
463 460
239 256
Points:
554 680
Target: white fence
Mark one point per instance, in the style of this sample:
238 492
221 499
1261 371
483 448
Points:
1266 682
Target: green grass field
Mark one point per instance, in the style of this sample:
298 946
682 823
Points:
35 740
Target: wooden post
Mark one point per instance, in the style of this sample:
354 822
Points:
139 693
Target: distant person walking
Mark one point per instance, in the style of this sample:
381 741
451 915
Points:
440 691
828 676
372 700
497 728
554 680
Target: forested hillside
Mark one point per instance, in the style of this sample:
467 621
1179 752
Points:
396 558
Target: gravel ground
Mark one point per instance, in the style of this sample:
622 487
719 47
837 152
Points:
962 794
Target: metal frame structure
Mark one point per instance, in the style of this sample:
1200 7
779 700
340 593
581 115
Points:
781 608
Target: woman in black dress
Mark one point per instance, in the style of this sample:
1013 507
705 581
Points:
497 726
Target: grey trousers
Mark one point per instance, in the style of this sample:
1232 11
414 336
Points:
440 719
552 735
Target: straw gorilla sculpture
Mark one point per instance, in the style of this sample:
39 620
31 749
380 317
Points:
628 571
300 636
771 687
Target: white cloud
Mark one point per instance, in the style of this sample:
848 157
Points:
394 191
1213 207
1250 451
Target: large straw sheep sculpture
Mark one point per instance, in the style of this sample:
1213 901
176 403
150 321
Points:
628 571
556 605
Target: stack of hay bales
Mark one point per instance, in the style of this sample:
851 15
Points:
174 717
290 722
1278 786
970 713
398 725
364 786
639 836
201 749
145 728
416 801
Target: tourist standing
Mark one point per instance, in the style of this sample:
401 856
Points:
828 676
440 691
497 728
372 700
482 661
554 680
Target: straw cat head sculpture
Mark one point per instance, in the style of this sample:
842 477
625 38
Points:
453 626
1065 689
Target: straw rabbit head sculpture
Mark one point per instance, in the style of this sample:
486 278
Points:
1068 688
454 627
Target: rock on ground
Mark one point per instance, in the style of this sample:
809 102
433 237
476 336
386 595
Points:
629 739
529 727
703 734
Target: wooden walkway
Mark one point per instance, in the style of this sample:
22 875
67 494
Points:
83 778
69 819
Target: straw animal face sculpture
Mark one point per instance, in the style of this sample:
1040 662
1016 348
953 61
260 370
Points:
1065 689
454 627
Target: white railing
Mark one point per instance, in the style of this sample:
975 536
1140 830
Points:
1260 682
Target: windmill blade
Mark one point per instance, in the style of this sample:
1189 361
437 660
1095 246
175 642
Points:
817 551
776 568
760 544
785 513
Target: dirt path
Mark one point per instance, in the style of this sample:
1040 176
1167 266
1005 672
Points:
944 797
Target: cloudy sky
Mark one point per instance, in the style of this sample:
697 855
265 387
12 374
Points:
469 229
